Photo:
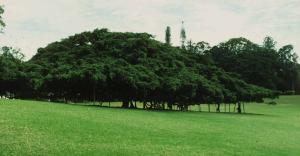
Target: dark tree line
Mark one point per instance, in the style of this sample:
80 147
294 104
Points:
262 65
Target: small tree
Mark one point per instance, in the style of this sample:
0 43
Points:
2 24
168 35
269 43
190 47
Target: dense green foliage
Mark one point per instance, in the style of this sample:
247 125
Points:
11 67
41 128
261 65
113 66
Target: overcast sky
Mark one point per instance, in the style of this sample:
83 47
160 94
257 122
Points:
35 23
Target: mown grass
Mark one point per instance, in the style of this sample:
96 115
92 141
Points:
42 128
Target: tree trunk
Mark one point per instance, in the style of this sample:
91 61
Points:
234 108
244 107
218 107
208 107
225 108
66 100
151 105
186 107
239 109
94 95
170 106
229 107
131 104
125 104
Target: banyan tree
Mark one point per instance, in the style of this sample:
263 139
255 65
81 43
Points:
133 67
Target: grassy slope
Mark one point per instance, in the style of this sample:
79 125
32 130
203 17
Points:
40 128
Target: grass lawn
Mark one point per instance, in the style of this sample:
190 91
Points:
42 128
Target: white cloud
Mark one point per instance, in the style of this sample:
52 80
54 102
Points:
35 23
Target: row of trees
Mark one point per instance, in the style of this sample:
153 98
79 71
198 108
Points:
262 65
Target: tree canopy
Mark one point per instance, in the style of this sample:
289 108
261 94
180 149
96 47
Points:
113 66
262 65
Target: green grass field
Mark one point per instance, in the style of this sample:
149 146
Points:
42 128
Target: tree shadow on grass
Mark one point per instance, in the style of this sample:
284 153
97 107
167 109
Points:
157 110
178 111
230 113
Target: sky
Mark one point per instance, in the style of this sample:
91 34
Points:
31 24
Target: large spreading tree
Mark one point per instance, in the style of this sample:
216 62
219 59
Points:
130 67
